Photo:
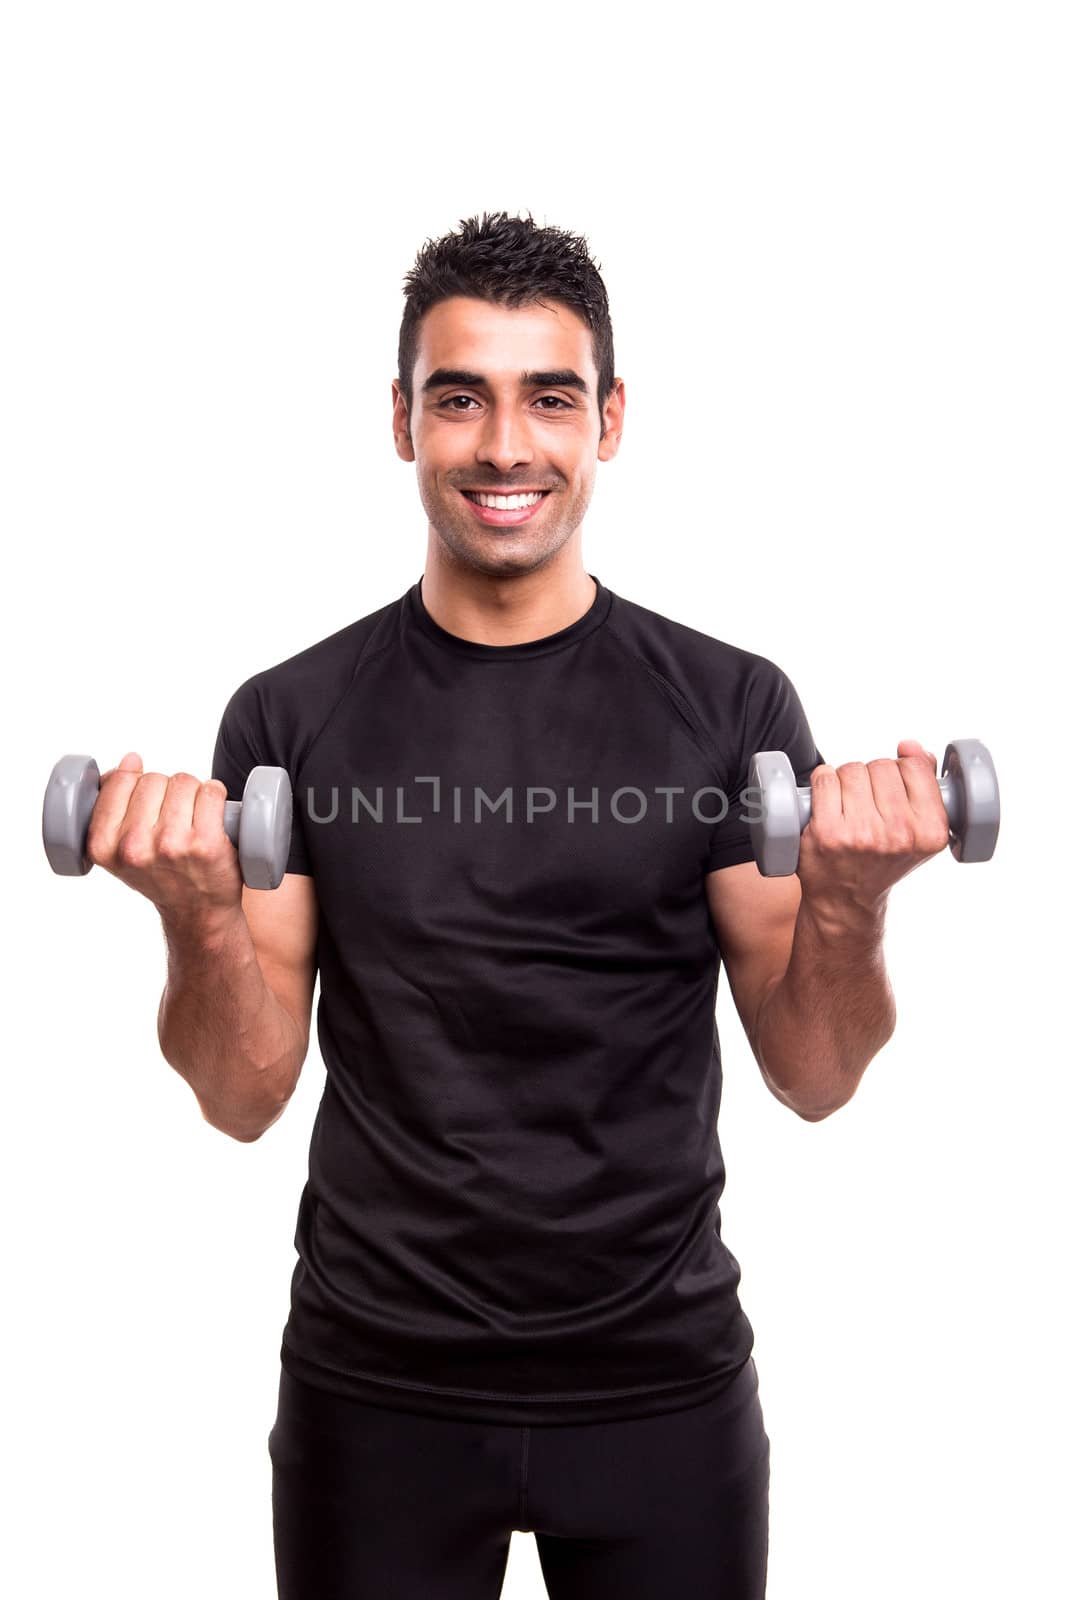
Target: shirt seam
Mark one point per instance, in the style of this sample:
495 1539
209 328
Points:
502 1394
361 660
458 648
722 857
701 734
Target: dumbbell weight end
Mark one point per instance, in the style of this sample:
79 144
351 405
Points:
69 798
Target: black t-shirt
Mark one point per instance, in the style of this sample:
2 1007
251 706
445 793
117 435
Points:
512 1205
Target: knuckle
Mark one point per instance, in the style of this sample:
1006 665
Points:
133 850
935 837
96 848
171 845
900 839
853 834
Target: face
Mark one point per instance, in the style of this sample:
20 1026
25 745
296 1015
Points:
486 416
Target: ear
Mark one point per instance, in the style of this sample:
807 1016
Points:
614 407
401 425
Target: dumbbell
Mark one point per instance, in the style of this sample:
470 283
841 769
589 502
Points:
259 824
968 785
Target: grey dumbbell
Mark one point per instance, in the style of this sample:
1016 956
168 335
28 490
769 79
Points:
968 785
259 824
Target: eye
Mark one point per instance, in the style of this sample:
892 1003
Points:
557 403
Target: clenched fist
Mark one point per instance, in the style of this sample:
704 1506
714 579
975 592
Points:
871 824
164 837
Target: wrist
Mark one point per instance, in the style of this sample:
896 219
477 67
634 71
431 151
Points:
208 927
842 918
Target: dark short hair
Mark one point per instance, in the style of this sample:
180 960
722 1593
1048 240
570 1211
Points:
509 261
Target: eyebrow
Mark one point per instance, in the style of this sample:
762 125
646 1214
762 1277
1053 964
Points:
560 378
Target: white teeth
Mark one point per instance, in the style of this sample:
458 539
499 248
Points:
507 502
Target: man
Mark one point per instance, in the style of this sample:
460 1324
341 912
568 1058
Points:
520 851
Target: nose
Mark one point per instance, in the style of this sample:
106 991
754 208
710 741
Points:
504 440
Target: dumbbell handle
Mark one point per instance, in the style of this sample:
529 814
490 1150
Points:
231 821
90 791
968 787
258 825
950 794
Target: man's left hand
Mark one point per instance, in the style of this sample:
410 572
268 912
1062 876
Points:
871 824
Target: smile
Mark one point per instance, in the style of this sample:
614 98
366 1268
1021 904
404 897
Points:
504 510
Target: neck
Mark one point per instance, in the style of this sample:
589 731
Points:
508 608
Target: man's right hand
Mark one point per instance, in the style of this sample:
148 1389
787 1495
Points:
164 837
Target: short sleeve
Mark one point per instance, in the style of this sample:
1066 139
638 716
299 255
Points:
774 719
245 740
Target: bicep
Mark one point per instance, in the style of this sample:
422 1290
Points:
284 925
753 918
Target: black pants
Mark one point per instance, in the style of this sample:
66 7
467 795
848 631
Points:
376 1504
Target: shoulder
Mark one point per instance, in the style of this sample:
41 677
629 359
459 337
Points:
276 714
321 671
712 674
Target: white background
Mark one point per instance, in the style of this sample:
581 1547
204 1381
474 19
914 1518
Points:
833 239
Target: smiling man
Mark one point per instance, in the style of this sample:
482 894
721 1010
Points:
520 857
504 405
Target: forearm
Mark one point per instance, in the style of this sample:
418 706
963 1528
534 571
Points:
221 1027
830 1014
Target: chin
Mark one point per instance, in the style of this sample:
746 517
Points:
495 561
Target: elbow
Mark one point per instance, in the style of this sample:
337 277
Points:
806 1109
810 1110
248 1138
242 1135
244 1132
817 1116
820 1113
